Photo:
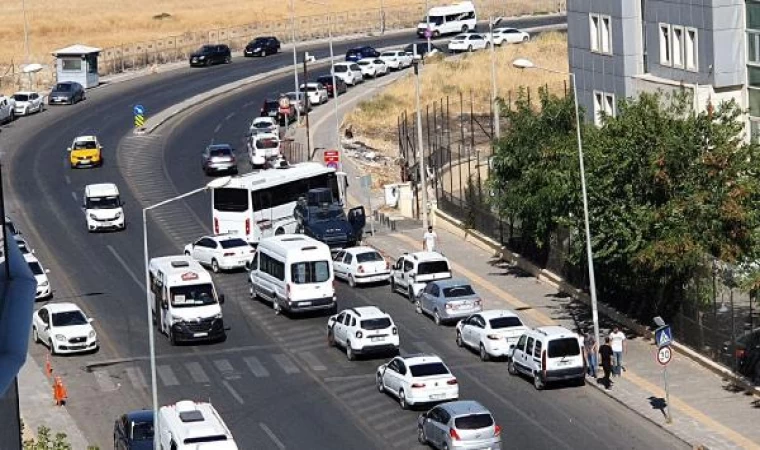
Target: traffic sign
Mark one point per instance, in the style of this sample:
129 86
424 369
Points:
139 110
284 102
331 156
664 354
663 336
428 33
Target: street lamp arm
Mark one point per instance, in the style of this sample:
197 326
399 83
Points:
174 199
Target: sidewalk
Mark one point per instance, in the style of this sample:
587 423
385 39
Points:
706 411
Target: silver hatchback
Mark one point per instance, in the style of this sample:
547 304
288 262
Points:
219 158
448 300
463 424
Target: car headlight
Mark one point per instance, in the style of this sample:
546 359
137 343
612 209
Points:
257 49
118 215
60 337
44 283
92 216
201 57
92 334
218 316
176 319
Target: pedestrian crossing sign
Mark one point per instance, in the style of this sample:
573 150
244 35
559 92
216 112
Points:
663 336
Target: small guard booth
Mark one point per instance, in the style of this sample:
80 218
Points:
77 63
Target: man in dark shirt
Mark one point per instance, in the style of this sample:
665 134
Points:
605 353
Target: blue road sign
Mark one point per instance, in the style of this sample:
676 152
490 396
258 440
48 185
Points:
138 110
332 165
663 336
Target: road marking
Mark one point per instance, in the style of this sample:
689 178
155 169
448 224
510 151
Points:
68 180
255 366
167 376
136 377
287 365
233 392
272 436
229 116
312 361
398 421
424 347
104 380
218 127
126 267
197 372
225 367
74 196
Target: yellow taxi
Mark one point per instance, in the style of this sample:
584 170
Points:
85 151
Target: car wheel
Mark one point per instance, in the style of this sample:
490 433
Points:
511 367
351 281
580 382
279 231
35 335
465 28
437 317
402 400
379 383
330 339
214 266
393 285
51 347
350 355
418 307
421 436
263 53
538 383
469 49
484 356
172 338
460 342
276 307
526 38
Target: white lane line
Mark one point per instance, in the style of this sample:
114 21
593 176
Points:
197 372
233 392
229 116
225 367
312 361
256 367
287 365
136 377
272 436
167 376
218 127
74 196
126 267
104 380
68 180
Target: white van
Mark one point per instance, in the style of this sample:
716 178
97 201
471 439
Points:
189 425
547 354
263 147
184 294
294 272
456 18
103 207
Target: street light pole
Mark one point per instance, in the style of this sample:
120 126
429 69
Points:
295 54
335 95
429 31
421 151
26 33
494 92
217 183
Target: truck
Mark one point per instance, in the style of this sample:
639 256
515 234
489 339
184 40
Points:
321 216
7 109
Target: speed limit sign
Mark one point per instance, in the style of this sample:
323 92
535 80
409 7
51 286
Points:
664 355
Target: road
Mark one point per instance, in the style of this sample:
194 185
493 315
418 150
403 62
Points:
274 380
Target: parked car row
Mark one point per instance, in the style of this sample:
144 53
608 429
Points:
25 103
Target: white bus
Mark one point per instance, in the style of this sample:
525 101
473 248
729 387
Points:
457 18
261 204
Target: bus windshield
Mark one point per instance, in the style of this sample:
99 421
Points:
193 295
231 199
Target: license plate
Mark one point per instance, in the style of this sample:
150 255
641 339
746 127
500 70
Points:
200 334
77 347
437 396
376 338
84 161
305 303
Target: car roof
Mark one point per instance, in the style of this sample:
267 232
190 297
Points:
219 146
494 313
88 138
62 307
420 358
142 415
262 136
464 407
361 249
426 256
24 92
101 190
452 282
555 331
223 237
368 312
264 119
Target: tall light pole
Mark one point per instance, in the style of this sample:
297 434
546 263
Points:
215 184
429 32
421 151
527 64
494 91
295 56
26 33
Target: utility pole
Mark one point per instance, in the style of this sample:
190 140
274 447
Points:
338 147
421 151
295 54
26 33
305 94
429 31
494 91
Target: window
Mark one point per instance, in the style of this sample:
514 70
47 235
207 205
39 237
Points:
429 267
594 25
604 105
310 272
429 369
753 47
690 49
600 28
473 421
272 267
665 58
606 35
71 64
537 350
379 323
529 347
562 347
505 322
230 199
678 46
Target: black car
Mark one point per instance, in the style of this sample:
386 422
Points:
271 108
262 46
66 93
422 49
327 82
355 54
746 355
211 54
134 431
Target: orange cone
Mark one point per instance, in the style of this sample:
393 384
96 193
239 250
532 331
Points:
59 392
48 367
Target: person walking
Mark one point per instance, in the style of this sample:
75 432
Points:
619 346
605 353
430 240
591 350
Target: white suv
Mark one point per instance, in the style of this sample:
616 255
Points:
547 354
363 330
413 271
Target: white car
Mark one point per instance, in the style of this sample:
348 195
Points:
221 252
380 67
316 92
103 208
40 274
262 147
263 124
363 330
508 35
396 59
349 72
417 379
28 102
64 328
360 265
468 42
490 332
367 67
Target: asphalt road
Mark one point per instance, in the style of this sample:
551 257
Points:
274 380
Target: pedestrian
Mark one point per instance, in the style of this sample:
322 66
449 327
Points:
430 240
591 349
619 346
605 353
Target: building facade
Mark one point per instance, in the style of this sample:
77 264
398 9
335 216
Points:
619 48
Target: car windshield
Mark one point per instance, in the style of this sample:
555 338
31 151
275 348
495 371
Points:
473 422
341 69
310 272
193 295
323 215
142 431
220 152
426 268
85 145
368 257
21 97
458 291
505 322
233 243
36 268
262 124
206 49
559 348
380 323
271 104
69 318
110 202
62 87
429 369
460 37
267 143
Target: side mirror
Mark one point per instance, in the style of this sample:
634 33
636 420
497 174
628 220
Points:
32 251
68 149
47 270
164 305
221 299
90 320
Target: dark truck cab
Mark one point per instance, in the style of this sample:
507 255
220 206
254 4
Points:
321 216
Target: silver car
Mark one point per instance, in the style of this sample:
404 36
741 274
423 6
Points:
463 424
219 158
448 300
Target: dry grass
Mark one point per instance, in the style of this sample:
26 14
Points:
375 121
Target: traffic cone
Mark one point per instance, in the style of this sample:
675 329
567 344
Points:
48 367
59 392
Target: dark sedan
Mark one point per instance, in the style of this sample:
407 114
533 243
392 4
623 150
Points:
262 46
211 54
66 93
355 54
134 431
327 82
745 355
